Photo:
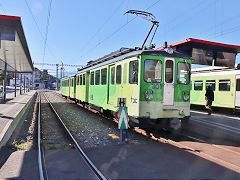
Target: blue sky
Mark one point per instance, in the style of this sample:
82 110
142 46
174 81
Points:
80 31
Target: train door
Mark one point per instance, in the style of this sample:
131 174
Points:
168 91
237 96
111 85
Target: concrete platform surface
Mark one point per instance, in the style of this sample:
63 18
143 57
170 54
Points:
10 114
21 165
215 125
155 161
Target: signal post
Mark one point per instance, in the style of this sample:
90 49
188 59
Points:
122 116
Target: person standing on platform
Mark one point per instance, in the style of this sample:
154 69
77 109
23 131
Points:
209 97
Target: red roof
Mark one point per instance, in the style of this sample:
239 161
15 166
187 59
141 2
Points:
10 17
204 42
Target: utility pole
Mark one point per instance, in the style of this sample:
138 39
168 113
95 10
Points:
61 74
57 76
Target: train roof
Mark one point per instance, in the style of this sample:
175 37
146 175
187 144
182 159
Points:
124 53
215 70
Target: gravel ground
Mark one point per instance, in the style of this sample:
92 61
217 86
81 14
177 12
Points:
90 129
53 134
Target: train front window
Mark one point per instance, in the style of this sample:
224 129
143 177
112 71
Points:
183 76
152 70
224 85
211 83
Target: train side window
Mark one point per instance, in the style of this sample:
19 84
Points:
119 74
125 71
104 76
80 79
83 79
211 83
112 75
224 85
198 85
238 85
97 77
92 78
77 80
133 72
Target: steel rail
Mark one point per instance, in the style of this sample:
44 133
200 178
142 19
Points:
41 175
89 162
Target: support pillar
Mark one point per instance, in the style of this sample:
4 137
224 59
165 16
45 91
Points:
5 82
24 83
21 84
57 76
15 90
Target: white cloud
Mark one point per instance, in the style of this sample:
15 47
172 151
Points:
37 7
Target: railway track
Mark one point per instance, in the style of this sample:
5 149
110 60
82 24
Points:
59 154
220 154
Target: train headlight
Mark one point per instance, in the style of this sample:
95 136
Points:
149 97
186 97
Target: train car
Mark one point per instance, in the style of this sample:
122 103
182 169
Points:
155 83
224 81
65 87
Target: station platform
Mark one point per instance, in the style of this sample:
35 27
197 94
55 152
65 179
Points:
217 125
11 113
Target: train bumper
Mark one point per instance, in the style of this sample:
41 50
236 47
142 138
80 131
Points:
156 110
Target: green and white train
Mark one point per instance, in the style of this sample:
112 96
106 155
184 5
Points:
224 81
155 83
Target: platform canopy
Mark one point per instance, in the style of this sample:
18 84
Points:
13 47
207 52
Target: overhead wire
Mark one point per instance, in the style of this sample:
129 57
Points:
117 30
46 33
101 27
227 20
38 28
186 20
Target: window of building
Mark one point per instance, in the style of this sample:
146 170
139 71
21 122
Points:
198 85
92 78
133 72
119 74
97 77
104 76
152 71
83 79
224 85
80 79
211 83
112 75
183 76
